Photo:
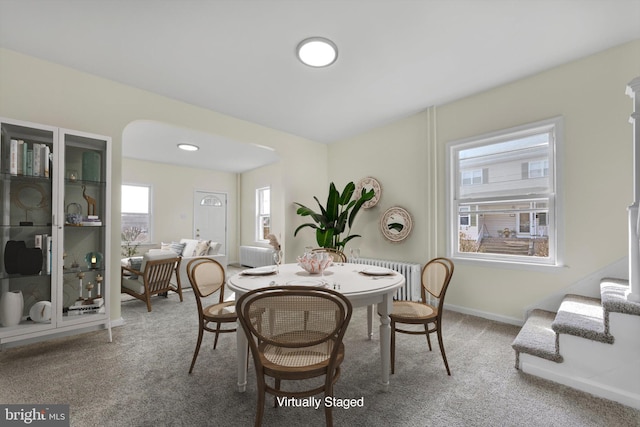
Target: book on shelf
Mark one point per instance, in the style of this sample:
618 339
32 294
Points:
25 157
21 157
29 159
29 165
46 151
13 157
91 220
80 307
37 156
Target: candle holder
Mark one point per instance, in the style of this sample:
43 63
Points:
89 299
93 260
99 279
80 277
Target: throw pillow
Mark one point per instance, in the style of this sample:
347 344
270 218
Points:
136 264
215 247
202 248
177 247
165 246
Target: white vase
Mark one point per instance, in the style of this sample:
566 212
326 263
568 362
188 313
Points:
11 307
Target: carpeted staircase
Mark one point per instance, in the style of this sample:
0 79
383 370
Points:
590 344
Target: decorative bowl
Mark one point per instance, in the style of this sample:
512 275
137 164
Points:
315 262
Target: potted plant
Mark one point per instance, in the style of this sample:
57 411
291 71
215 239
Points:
336 218
130 241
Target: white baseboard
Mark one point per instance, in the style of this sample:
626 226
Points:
485 315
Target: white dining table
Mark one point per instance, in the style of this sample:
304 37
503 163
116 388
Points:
362 285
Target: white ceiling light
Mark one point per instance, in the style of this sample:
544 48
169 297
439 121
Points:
188 147
317 52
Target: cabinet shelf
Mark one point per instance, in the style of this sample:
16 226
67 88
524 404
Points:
16 276
4 176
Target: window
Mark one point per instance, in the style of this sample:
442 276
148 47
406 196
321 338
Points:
472 177
503 194
263 213
538 168
136 213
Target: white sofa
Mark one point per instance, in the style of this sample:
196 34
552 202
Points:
193 248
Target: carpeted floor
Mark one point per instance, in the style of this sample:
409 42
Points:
141 379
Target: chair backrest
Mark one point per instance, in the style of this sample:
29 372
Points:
337 255
436 275
295 317
158 272
206 276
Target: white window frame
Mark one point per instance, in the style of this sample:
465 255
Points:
261 215
149 215
554 217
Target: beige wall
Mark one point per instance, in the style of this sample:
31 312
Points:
408 158
172 197
43 92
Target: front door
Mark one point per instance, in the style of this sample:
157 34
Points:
210 217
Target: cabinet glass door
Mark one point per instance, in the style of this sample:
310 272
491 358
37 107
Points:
83 294
27 253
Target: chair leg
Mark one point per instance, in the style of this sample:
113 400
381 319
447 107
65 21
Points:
328 412
426 330
195 354
277 387
260 409
215 341
444 357
393 347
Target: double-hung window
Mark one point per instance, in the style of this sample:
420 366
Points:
503 195
136 214
263 213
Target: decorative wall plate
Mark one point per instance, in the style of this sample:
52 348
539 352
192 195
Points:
396 224
369 184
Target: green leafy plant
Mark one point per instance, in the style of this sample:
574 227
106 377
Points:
336 218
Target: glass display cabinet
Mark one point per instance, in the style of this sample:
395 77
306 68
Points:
55 194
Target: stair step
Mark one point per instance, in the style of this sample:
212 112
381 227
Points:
537 338
582 316
614 297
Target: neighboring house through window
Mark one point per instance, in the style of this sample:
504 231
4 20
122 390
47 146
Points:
504 195
263 213
136 214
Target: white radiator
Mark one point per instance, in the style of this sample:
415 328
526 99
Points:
255 256
410 271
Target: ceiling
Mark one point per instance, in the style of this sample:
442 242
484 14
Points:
396 57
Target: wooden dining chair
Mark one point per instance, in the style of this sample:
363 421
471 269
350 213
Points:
207 277
338 256
283 350
153 278
436 275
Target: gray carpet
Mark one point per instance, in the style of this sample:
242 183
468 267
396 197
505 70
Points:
141 379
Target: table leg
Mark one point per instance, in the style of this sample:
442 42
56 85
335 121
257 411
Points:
384 308
242 347
370 320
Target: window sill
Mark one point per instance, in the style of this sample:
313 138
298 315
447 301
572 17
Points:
509 265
